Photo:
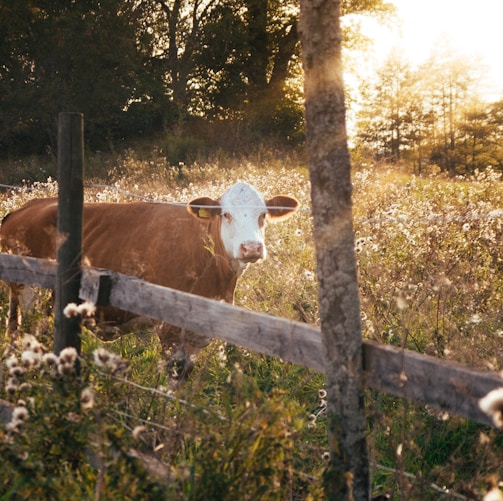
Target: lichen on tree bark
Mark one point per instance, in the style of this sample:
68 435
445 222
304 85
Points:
347 475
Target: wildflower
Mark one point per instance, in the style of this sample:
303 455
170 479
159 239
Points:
50 359
18 418
86 309
65 369
484 438
401 302
16 371
492 405
222 356
322 393
475 319
30 343
30 359
309 274
14 426
162 366
441 281
137 431
20 414
109 361
73 417
312 421
326 456
66 361
68 355
12 385
101 357
71 310
497 213
87 398
11 362
493 495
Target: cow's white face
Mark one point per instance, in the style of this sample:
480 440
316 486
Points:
243 212
243 223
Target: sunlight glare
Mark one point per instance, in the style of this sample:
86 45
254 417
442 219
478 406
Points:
472 28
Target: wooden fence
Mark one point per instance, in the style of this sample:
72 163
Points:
441 384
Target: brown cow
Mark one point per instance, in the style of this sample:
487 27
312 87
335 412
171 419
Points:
200 248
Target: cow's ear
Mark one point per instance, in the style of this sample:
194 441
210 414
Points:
281 207
204 208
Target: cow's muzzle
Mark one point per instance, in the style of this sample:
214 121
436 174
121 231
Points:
250 252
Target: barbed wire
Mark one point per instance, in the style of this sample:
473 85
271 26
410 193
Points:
443 490
493 215
10 187
496 214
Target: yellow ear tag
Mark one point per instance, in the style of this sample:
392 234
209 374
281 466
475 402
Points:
204 213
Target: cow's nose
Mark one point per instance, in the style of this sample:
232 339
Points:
251 251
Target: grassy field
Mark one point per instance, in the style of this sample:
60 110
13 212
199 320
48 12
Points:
251 427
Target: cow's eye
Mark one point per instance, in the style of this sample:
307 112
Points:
227 217
261 219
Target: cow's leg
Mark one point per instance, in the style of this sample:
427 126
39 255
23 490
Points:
181 348
14 313
192 345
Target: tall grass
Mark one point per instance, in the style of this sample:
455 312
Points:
247 426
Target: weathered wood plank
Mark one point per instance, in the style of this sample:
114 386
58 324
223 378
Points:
290 341
28 271
442 384
439 383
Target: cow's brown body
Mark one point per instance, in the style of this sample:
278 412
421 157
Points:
160 243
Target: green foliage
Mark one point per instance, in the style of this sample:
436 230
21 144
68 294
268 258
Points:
66 56
433 114
61 441
136 69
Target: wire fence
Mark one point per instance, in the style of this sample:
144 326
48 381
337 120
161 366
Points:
492 215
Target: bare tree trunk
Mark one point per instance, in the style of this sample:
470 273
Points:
347 476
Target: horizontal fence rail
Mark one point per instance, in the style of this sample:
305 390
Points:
440 384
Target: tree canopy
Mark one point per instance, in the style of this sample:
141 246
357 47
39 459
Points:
431 115
60 55
135 67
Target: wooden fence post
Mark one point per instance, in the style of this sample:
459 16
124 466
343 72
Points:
347 474
69 233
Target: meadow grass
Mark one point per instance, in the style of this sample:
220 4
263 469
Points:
247 426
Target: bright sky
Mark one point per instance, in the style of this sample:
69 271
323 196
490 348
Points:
474 26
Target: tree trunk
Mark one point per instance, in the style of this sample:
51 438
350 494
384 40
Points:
258 45
347 476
